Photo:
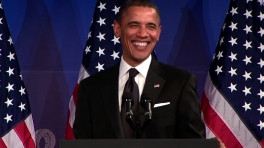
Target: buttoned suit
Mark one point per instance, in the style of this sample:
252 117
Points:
98 115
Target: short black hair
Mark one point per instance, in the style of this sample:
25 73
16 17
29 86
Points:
140 3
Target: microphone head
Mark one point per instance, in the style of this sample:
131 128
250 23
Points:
127 96
145 97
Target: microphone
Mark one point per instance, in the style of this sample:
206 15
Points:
146 103
127 103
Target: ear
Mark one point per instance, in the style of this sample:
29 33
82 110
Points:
117 29
159 31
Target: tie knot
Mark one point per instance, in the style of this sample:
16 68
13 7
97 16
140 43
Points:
133 72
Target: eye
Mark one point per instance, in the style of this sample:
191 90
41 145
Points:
152 27
133 25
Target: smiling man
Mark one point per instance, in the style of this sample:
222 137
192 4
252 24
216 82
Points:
175 110
139 29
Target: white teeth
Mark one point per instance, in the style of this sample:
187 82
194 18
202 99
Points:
140 43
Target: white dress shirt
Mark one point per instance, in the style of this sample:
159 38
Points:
140 77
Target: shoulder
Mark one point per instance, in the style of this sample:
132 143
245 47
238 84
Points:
174 75
173 69
102 76
175 72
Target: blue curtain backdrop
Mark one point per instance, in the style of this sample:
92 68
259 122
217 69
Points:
50 35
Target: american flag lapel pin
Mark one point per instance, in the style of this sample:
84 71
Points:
156 85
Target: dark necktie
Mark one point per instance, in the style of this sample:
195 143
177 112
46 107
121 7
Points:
132 87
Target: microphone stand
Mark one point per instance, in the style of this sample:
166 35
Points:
138 128
128 103
146 103
129 113
146 122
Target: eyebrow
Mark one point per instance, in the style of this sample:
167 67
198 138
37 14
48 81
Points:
135 22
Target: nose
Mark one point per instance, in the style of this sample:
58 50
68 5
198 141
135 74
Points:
142 32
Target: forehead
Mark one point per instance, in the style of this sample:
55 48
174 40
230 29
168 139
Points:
140 12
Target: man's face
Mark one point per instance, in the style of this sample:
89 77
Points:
139 31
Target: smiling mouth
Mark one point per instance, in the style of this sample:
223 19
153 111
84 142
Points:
141 44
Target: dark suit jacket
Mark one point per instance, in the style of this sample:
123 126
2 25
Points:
97 111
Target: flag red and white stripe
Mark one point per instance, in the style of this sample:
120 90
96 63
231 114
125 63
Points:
223 122
21 136
72 105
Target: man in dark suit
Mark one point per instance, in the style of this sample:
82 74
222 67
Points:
175 106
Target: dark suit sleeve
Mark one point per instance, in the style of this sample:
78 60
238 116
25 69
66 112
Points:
190 123
82 124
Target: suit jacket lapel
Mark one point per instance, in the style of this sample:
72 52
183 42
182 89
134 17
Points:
155 80
153 85
111 101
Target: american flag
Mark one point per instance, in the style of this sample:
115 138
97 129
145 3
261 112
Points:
233 98
17 129
102 50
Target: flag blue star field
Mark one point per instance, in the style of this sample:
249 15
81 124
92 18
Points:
233 99
16 121
102 50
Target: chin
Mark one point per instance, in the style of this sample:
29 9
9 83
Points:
140 58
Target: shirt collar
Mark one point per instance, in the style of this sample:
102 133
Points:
142 68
